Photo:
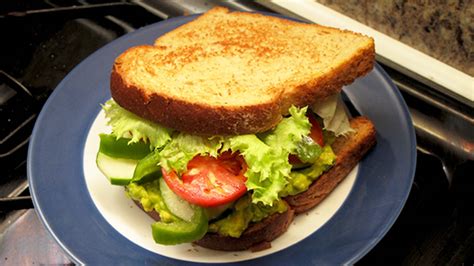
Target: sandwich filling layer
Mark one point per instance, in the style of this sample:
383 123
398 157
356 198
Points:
269 166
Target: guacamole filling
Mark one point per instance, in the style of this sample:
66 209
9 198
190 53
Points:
243 213
149 196
300 180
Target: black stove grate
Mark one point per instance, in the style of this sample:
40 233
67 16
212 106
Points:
17 114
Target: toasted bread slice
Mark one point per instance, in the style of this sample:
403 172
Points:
349 151
236 72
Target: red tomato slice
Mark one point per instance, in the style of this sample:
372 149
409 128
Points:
208 181
316 134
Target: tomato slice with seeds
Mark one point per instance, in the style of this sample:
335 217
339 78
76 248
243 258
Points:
209 181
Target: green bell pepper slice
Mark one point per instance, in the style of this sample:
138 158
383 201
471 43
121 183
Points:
181 231
147 168
121 148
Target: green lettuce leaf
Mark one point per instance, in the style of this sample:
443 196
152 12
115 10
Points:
183 147
267 157
267 167
128 125
334 116
289 133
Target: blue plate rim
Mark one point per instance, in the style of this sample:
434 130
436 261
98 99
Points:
412 170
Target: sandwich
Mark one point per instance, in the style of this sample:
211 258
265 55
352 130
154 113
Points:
230 125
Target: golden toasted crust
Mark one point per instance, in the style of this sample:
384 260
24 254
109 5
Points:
235 72
349 151
323 86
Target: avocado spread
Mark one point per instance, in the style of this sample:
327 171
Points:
300 180
244 212
148 194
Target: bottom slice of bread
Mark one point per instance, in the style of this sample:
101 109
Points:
349 150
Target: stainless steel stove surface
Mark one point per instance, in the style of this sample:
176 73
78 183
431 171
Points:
46 39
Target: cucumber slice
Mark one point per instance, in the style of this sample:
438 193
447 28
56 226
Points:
119 171
184 209
175 204
214 212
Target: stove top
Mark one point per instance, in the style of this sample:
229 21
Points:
48 38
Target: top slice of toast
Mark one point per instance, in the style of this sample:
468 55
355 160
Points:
236 72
